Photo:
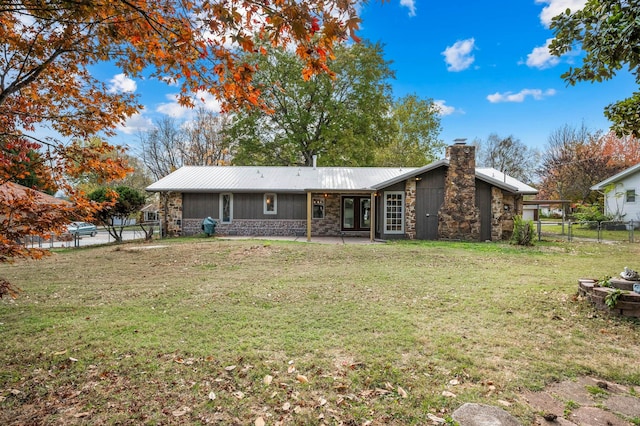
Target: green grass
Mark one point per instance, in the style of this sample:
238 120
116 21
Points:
113 334
585 232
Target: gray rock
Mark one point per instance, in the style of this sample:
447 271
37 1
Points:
483 415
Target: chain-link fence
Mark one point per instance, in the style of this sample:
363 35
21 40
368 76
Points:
605 231
144 231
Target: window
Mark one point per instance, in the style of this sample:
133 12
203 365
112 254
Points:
318 208
270 204
356 213
394 212
226 208
630 196
150 216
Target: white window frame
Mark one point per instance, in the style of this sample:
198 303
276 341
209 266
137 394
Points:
221 205
389 228
265 205
626 195
318 201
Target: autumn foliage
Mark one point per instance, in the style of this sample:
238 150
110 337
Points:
575 160
46 85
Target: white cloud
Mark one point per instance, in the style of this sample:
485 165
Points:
556 7
411 5
200 99
122 83
458 57
536 94
541 58
135 124
443 109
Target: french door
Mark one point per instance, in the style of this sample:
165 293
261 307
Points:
356 213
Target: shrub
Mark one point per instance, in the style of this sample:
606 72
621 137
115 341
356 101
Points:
523 232
591 215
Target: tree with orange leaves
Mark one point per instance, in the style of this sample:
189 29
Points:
47 50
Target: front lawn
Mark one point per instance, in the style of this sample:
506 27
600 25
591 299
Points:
234 332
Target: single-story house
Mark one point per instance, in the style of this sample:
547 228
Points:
447 199
620 194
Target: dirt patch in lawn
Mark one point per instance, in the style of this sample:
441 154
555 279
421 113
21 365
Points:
584 401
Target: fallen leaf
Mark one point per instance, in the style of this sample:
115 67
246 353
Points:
238 394
286 406
403 393
212 396
505 403
73 359
291 369
181 411
448 394
259 422
267 379
454 382
179 360
435 419
60 353
230 367
302 379
323 402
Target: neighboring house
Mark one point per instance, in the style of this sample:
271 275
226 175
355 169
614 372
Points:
621 193
447 199
150 213
19 206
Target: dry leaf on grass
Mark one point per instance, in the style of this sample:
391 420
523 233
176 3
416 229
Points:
238 394
267 379
181 411
259 422
286 406
230 367
448 394
212 396
302 379
403 393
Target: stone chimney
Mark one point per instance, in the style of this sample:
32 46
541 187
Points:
459 218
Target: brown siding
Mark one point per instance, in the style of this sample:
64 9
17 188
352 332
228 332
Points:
251 206
429 198
483 202
199 206
245 206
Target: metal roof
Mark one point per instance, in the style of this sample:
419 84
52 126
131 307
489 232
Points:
276 179
499 179
616 178
302 179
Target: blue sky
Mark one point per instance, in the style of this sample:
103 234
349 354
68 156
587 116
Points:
485 63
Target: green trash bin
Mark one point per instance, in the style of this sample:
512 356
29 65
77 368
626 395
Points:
209 226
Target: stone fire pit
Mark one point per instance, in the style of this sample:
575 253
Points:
615 295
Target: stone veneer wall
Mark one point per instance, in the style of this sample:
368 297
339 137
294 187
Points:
515 208
330 225
459 217
250 227
410 209
497 212
173 221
